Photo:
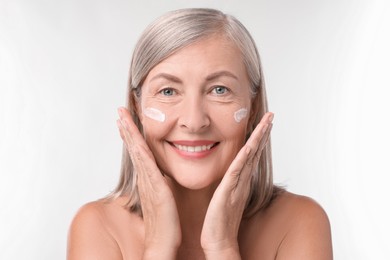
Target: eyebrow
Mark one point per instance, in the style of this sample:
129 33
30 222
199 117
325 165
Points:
166 76
212 76
223 73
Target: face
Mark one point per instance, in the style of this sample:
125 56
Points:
194 109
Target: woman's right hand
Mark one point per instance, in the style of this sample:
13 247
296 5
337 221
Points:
161 219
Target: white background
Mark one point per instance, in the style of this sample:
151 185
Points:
63 73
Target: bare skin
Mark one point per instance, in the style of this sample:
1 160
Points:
192 207
292 227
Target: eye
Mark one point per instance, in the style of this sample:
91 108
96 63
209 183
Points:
168 92
220 90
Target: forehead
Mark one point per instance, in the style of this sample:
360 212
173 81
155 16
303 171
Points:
205 56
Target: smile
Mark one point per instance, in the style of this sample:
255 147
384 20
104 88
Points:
193 149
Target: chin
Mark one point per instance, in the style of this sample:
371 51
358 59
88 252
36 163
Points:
195 179
197 184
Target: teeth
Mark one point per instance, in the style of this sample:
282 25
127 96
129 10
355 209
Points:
193 149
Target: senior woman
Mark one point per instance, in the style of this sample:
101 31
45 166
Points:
196 177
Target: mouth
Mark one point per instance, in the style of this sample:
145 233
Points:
197 149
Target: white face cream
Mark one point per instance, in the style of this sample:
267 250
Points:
154 114
240 114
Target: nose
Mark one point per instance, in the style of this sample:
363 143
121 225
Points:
194 116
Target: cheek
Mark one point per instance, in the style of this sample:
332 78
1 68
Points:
156 123
154 114
240 114
231 123
151 115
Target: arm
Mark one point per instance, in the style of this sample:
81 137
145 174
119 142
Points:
309 236
224 214
88 238
160 215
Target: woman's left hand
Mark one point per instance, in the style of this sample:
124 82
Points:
224 214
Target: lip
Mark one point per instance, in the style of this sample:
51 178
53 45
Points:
195 149
193 142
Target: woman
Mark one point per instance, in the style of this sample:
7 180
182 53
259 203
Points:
196 179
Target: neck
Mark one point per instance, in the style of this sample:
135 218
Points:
192 206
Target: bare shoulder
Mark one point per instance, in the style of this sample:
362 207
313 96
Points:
291 227
89 237
307 228
97 229
297 205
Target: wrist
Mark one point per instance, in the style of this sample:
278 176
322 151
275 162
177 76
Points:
156 252
160 247
229 253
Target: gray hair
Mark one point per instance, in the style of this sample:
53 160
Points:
165 36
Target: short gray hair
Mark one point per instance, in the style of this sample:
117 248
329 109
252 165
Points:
165 36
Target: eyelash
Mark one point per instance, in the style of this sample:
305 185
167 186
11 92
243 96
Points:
163 91
220 87
213 91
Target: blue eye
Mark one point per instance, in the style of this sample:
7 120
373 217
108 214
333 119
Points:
220 90
167 92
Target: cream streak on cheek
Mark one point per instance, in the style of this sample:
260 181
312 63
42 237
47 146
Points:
240 114
154 114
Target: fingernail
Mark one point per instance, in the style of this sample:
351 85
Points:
271 117
125 124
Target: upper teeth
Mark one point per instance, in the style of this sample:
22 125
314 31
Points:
193 149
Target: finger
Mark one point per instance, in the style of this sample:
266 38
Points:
119 124
242 189
251 165
256 137
240 172
127 140
130 131
253 158
140 154
232 176
234 184
126 137
128 124
253 162
149 178
262 144
246 154
133 145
